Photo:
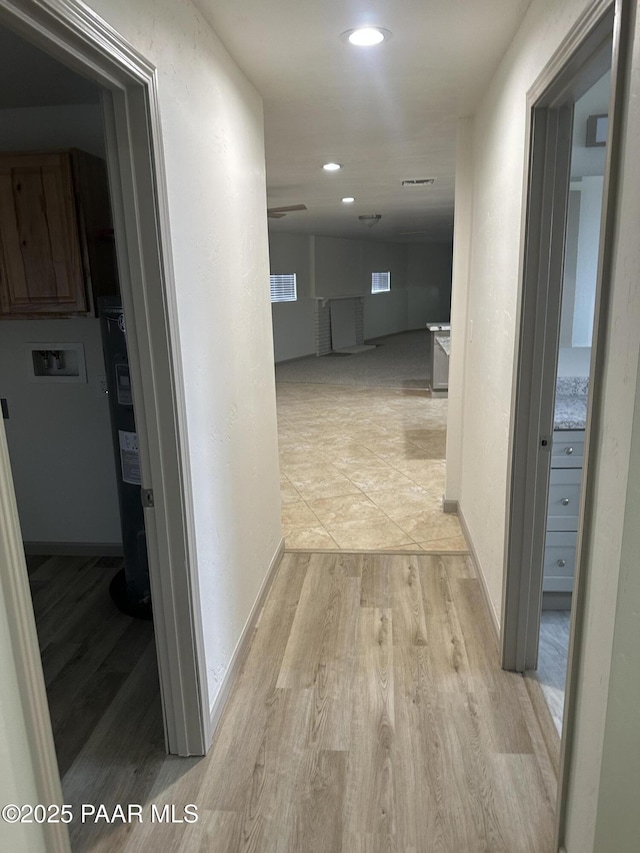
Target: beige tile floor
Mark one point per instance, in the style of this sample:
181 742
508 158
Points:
363 469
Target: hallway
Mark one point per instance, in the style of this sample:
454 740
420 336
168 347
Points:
371 714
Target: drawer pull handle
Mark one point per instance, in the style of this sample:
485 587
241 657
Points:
562 563
565 501
568 450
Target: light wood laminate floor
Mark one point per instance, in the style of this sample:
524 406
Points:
89 648
363 468
553 653
370 715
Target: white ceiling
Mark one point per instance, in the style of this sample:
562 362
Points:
386 113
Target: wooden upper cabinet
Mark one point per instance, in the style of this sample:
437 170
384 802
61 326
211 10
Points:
57 253
41 268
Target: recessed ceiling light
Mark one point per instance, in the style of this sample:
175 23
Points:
332 167
366 36
349 199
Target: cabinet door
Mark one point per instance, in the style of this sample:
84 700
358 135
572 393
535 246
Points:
40 263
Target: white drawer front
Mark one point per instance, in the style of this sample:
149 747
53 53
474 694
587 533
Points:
567 449
559 562
564 499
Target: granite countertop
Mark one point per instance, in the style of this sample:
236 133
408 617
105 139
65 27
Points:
571 402
445 343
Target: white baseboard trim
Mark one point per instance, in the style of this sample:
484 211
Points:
449 506
73 549
242 646
493 616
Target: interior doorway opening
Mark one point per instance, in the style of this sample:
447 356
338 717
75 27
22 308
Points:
572 137
577 315
66 386
81 41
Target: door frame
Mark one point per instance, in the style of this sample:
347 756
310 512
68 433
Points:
577 64
72 33
522 593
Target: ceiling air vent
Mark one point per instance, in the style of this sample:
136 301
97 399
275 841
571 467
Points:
418 182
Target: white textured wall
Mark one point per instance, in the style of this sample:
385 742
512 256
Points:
574 361
212 128
384 313
338 266
59 438
428 283
498 154
462 228
293 322
587 260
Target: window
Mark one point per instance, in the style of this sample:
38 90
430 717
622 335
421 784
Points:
283 288
380 282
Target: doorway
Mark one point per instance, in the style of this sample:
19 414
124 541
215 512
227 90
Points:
81 41
81 547
577 315
571 142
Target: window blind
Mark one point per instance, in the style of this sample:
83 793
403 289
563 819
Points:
380 282
283 287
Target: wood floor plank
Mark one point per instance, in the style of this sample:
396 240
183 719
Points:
318 818
389 657
320 653
79 697
56 567
269 815
34 561
517 781
91 652
213 831
447 741
455 566
85 602
325 584
121 759
494 688
244 721
55 580
55 658
176 783
374 583
369 790
406 599
448 663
